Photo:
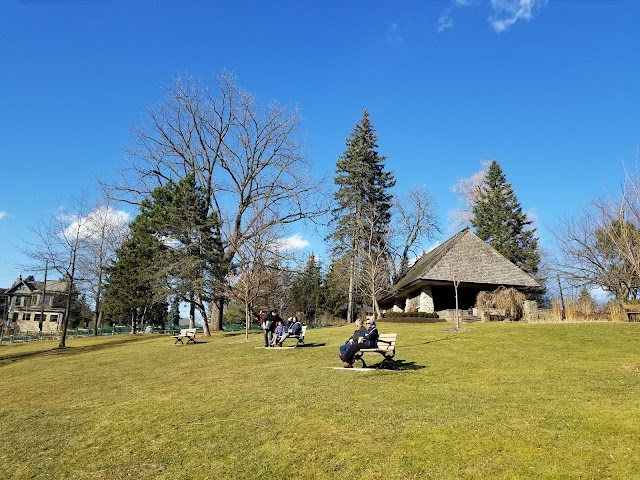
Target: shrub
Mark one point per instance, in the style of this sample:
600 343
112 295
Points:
508 299
391 314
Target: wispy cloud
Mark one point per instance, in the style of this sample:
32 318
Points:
445 20
508 12
504 13
294 242
393 36
2 214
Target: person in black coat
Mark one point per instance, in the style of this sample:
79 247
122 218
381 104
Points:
368 340
269 323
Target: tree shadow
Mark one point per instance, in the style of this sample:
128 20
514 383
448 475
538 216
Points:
427 342
67 351
236 333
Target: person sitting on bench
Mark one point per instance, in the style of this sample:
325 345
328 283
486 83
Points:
294 327
278 332
360 331
368 340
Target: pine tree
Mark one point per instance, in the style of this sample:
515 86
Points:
191 265
306 289
499 220
130 290
363 198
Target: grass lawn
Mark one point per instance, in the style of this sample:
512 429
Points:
500 400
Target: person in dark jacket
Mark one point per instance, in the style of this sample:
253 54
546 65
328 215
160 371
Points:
269 323
368 340
293 327
359 332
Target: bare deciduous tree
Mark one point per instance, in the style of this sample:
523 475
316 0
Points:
415 220
468 192
600 246
60 242
249 161
105 230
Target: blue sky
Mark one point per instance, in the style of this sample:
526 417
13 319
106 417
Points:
550 89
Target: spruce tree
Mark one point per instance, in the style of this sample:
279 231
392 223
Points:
363 198
306 290
499 220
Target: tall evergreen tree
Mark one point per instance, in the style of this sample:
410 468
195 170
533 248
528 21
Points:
191 264
363 198
306 290
499 220
131 291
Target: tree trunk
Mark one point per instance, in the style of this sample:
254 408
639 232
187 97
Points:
247 320
192 312
217 309
65 317
350 318
133 321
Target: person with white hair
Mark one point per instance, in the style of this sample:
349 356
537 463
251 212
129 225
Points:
359 332
368 340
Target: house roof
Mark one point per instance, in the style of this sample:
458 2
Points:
53 286
470 260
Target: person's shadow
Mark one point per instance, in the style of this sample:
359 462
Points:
396 365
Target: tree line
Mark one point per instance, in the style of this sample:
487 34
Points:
218 180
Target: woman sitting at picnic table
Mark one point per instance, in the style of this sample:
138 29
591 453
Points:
368 340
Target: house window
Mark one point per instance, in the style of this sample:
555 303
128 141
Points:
27 317
36 317
17 301
53 318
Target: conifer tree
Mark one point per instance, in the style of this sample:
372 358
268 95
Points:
130 290
499 220
306 290
363 199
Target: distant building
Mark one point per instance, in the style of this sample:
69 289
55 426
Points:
24 305
3 306
465 258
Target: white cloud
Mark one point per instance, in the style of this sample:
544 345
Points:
504 13
89 225
2 214
294 242
445 21
393 35
508 12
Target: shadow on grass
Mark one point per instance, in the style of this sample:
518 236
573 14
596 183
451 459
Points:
69 350
427 342
310 345
396 365
236 333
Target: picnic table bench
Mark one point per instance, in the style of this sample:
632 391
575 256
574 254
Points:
188 333
386 347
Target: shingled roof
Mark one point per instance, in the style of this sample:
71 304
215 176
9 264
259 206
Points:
470 259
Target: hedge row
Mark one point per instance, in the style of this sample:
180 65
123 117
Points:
412 320
388 315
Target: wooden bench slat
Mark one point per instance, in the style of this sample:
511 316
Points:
386 347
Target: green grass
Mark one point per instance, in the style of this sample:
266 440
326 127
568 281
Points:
497 401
